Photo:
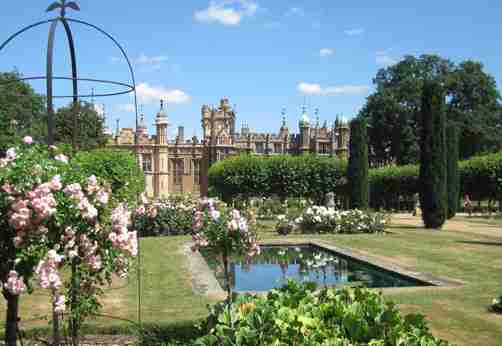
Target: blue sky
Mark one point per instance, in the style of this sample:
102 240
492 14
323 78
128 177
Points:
262 54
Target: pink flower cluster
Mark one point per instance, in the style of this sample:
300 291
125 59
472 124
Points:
89 249
87 210
47 271
15 284
37 206
236 231
59 303
121 238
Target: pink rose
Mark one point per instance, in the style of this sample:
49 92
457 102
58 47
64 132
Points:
27 140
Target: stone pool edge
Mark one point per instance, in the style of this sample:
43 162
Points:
202 277
204 282
435 281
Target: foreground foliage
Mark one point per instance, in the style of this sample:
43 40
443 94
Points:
298 315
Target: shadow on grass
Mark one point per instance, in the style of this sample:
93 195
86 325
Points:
474 242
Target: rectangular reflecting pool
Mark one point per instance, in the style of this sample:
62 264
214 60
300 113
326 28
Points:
276 264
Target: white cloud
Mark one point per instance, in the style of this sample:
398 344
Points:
383 58
318 90
149 60
226 12
295 11
354 32
326 52
148 94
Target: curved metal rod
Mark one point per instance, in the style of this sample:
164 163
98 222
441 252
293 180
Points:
50 105
130 88
74 78
124 54
13 36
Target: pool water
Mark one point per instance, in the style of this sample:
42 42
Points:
306 263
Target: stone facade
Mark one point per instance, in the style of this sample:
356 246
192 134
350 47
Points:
175 166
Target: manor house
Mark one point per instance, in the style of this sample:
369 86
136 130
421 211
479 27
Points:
180 165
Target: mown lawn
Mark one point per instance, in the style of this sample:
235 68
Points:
466 251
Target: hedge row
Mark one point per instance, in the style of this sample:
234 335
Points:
285 176
312 177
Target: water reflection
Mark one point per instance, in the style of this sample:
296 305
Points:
275 265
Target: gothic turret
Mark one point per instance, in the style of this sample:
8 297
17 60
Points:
304 125
161 123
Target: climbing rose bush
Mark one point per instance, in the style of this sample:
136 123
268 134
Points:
52 217
224 232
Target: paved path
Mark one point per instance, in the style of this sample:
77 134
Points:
455 225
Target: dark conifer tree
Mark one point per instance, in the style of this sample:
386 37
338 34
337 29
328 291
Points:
453 178
358 165
433 191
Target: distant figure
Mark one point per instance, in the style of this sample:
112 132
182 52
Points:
468 204
330 200
416 204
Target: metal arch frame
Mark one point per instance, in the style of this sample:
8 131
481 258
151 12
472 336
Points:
49 77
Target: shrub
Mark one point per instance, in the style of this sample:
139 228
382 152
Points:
319 219
280 176
357 172
298 315
167 217
392 185
433 193
118 167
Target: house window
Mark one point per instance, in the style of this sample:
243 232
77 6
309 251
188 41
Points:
324 148
147 162
196 171
277 148
178 171
260 147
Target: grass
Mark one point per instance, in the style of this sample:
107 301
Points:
468 251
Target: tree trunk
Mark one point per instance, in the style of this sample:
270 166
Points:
56 337
11 319
74 322
227 278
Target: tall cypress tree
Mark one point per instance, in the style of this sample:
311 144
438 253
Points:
433 191
357 171
453 178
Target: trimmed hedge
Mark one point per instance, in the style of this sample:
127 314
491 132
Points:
247 176
391 187
118 167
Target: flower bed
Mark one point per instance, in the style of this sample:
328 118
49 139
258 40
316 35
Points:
318 219
165 218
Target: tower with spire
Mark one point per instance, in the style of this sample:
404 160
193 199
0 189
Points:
304 125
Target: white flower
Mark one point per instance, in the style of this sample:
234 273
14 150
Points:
62 158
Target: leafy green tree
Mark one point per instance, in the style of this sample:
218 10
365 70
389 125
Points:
453 177
474 105
20 107
393 110
433 191
85 132
357 171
